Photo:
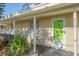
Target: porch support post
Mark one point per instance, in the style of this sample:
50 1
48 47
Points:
34 22
4 27
14 27
75 31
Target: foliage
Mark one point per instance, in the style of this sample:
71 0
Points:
2 5
26 6
58 29
18 45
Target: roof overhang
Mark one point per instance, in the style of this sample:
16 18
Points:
47 11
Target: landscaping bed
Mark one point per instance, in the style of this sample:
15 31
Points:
18 47
41 51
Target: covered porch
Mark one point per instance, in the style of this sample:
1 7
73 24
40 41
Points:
39 29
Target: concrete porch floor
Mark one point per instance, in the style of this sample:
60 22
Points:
48 51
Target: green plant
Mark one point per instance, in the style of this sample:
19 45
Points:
58 30
18 45
58 33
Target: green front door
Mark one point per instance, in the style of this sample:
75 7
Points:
58 32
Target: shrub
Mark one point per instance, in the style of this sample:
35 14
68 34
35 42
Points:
18 45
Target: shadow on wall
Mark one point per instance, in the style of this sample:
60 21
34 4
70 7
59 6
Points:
44 36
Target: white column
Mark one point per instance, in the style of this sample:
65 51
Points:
34 22
14 28
75 31
4 27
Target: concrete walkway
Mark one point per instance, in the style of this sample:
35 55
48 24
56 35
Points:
47 51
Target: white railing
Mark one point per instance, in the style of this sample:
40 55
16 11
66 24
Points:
12 31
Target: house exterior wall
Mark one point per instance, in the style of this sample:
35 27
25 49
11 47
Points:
22 24
46 24
69 32
8 27
23 28
46 30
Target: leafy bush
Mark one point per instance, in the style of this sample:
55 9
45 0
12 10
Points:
58 30
18 45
